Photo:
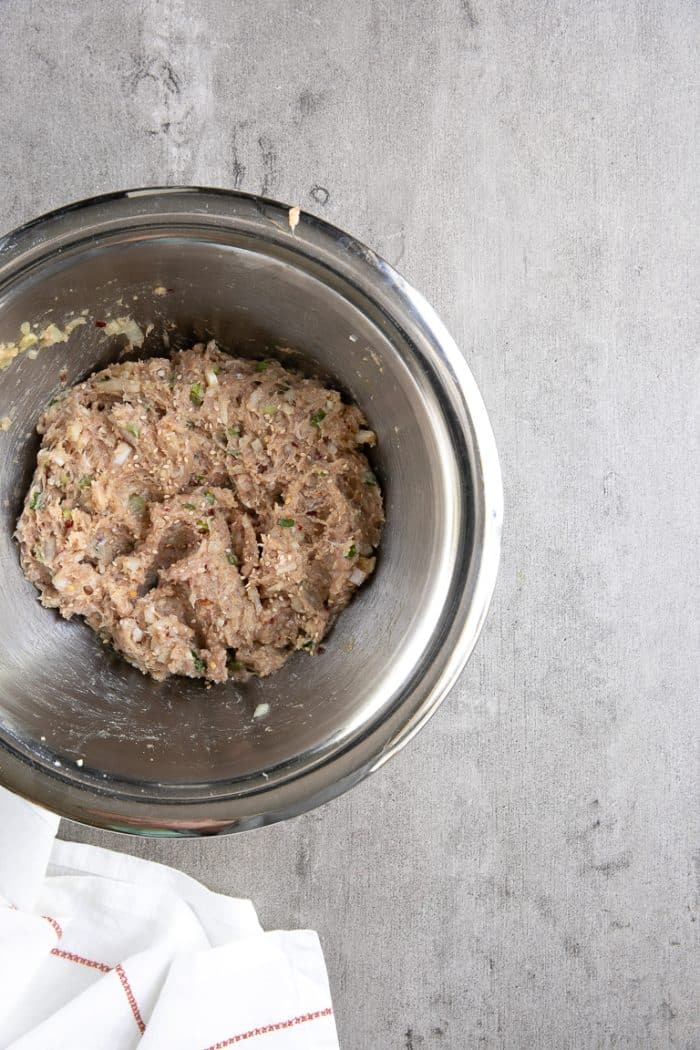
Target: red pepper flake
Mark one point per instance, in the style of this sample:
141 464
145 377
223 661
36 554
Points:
321 650
170 289
69 523
100 324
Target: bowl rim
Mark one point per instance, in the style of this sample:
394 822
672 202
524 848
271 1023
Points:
339 771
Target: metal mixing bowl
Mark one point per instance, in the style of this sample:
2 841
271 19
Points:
81 731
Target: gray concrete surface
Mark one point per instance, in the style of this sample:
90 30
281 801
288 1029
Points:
522 876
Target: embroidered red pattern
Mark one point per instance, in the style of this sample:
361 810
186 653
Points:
95 965
56 925
266 1029
241 1037
130 996
102 967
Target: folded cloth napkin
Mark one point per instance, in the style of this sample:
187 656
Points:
103 951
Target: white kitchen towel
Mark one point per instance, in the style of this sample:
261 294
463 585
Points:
103 951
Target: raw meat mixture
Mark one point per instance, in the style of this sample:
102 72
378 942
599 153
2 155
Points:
206 514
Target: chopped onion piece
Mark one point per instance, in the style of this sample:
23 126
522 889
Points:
50 336
256 397
255 597
125 326
75 323
121 453
357 576
120 386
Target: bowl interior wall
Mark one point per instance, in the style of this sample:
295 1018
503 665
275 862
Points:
62 694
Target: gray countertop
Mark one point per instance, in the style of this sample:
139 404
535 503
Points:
521 876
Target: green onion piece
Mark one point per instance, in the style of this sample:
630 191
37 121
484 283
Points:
64 479
209 498
196 393
37 500
352 552
370 479
199 664
269 410
202 524
233 432
86 481
317 418
189 506
134 431
261 366
67 513
285 523
308 644
137 504
232 557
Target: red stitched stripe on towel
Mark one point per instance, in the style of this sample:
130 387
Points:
56 925
131 997
266 1029
102 967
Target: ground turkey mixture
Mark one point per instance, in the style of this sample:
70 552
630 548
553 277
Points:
207 515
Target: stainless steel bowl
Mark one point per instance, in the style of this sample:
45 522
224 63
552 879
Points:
82 732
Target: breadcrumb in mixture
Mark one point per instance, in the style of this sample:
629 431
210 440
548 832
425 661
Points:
207 515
